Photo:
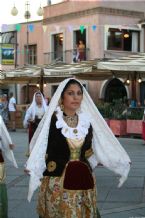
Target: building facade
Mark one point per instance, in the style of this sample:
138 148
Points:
107 30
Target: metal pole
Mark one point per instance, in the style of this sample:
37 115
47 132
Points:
16 94
27 46
41 80
27 16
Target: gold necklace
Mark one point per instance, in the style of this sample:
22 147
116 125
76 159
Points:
71 121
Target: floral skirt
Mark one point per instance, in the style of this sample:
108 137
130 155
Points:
55 201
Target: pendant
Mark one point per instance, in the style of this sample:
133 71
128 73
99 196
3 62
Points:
75 131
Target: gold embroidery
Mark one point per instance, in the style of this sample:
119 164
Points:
75 154
75 148
51 166
88 153
75 143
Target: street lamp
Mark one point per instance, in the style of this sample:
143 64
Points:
27 16
14 11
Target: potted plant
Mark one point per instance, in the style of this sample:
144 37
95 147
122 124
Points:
105 110
118 119
134 120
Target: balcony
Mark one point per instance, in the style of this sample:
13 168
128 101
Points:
66 56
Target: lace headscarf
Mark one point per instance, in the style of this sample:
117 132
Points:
34 104
32 109
107 149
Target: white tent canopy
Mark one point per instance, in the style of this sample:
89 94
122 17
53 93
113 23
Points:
51 73
67 69
129 64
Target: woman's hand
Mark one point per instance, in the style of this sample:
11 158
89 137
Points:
27 171
11 146
30 121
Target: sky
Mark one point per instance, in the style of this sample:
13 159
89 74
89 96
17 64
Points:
7 5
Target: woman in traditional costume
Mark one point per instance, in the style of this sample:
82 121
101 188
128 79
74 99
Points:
70 141
34 113
6 147
4 112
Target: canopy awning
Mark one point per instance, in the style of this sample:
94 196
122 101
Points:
131 67
50 73
129 64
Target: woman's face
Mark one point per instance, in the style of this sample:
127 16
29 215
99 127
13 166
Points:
38 99
72 98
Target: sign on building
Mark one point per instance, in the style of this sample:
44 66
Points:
8 54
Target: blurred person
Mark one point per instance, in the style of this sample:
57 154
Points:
12 111
4 111
34 113
76 53
6 147
81 50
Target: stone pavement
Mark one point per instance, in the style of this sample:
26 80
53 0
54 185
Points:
126 202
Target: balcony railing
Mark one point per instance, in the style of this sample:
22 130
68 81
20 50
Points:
66 56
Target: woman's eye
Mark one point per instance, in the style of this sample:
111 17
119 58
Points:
70 93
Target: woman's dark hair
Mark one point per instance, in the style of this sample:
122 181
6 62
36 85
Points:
71 82
37 93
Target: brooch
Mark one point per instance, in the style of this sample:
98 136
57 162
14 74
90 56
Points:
51 166
75 131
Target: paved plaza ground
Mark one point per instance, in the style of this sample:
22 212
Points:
126 202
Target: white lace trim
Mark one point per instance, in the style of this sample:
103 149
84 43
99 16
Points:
69 132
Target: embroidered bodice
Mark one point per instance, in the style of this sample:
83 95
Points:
75 146
62 149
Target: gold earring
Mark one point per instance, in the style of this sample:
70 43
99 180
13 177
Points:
62 107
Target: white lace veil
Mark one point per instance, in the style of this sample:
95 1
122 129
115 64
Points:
33 104
5 140
106 147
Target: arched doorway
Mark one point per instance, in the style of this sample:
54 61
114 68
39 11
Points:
114 90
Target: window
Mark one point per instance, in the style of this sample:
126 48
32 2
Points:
58 46
32 54
123 40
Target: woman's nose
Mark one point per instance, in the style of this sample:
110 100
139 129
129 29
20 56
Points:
76 96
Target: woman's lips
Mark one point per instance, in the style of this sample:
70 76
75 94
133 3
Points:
75 103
